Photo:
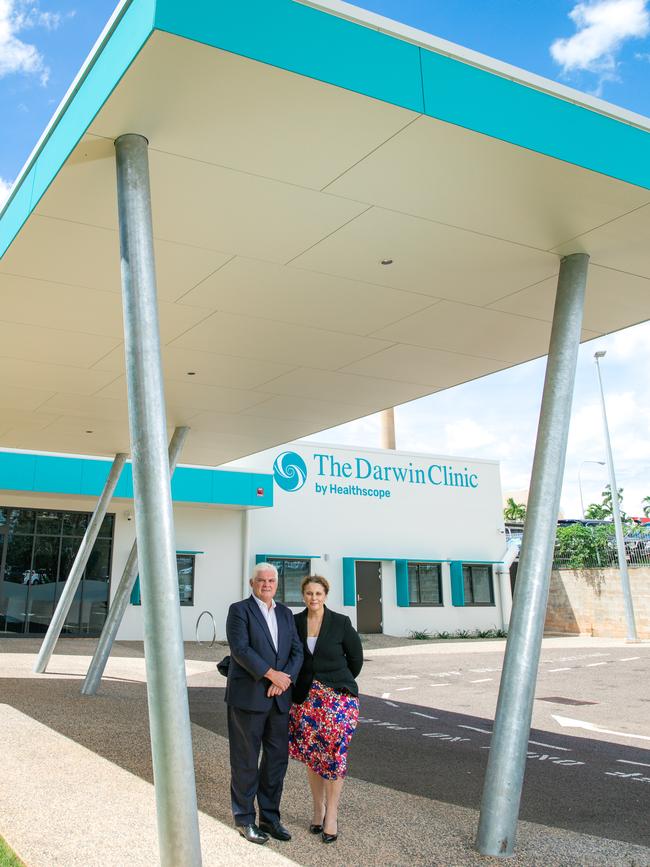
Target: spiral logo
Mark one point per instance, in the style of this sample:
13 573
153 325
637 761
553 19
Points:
289 471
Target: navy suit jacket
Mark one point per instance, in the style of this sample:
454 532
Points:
252 654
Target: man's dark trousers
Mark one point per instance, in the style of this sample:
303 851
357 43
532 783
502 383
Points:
247 732
256 720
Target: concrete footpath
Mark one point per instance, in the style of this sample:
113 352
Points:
77 785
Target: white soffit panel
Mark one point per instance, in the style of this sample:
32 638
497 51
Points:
250 287
428 257
244 114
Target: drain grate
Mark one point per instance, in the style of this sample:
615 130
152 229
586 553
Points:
558 699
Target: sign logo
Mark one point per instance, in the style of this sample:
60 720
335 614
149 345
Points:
289 471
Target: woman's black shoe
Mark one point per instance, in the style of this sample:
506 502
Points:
329 838
315 829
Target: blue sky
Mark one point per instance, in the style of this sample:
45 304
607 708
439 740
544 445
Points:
601 47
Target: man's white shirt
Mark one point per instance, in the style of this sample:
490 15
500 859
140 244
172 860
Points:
271 619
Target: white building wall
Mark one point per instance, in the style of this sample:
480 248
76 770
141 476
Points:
411 521
215 531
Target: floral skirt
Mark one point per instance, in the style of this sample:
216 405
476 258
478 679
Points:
321 728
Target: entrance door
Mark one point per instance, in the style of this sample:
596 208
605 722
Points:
368 575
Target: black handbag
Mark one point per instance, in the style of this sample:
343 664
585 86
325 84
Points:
223 666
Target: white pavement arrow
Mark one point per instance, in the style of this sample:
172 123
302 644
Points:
566 722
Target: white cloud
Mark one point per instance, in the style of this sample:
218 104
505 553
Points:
5 189
602 28
16 55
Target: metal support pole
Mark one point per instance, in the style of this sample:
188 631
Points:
124 588
507 758
169 719
616 515
80 561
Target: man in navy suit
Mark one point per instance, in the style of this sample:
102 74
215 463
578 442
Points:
265 658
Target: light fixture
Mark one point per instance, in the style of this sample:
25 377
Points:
386 262
90 431
191 372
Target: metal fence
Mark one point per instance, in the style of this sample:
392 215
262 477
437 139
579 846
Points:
585 546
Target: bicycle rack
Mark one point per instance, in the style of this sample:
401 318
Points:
214 629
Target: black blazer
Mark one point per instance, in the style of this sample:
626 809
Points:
337 658
252 654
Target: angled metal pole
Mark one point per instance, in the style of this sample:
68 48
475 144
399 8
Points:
507 759
169 718
80 561
616 516
124 588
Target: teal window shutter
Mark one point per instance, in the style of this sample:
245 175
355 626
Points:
260 558
457 583
135 592
402 583
349 582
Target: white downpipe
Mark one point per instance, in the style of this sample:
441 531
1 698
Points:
245 552
503 572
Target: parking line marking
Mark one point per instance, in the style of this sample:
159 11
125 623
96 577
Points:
550 746
564 669
482 680
404 688
426 715
440 684
474 729
392 704
629 658
626 762
594 664
385 695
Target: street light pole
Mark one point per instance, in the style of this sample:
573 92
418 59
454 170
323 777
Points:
582 502
616 514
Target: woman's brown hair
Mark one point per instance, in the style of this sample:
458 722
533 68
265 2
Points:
315 579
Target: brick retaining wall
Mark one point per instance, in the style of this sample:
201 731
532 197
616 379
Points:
590 602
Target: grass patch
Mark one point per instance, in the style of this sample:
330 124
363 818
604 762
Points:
8 857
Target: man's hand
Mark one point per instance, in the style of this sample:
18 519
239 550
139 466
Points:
279 679
273 691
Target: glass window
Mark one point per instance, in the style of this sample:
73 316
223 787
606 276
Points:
185 566
74 523
48 523
40 549
425 584
290 576
479 589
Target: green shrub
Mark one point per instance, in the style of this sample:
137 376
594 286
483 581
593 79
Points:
420 634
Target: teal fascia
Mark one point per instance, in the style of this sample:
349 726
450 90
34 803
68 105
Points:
54 474
136 596
127 38
304 40
402 583
457 583
349 582
479 100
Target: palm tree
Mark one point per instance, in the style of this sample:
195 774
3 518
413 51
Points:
607 502
597 512
514 511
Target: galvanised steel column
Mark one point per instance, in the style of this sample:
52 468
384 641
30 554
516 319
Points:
124 588
80 561
616 516
169 719
507 757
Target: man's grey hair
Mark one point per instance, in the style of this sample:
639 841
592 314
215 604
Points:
264 567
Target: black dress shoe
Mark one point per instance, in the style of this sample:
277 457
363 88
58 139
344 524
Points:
315 829
253 834
277 830
329 838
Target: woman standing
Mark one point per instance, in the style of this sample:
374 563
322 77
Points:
326 705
